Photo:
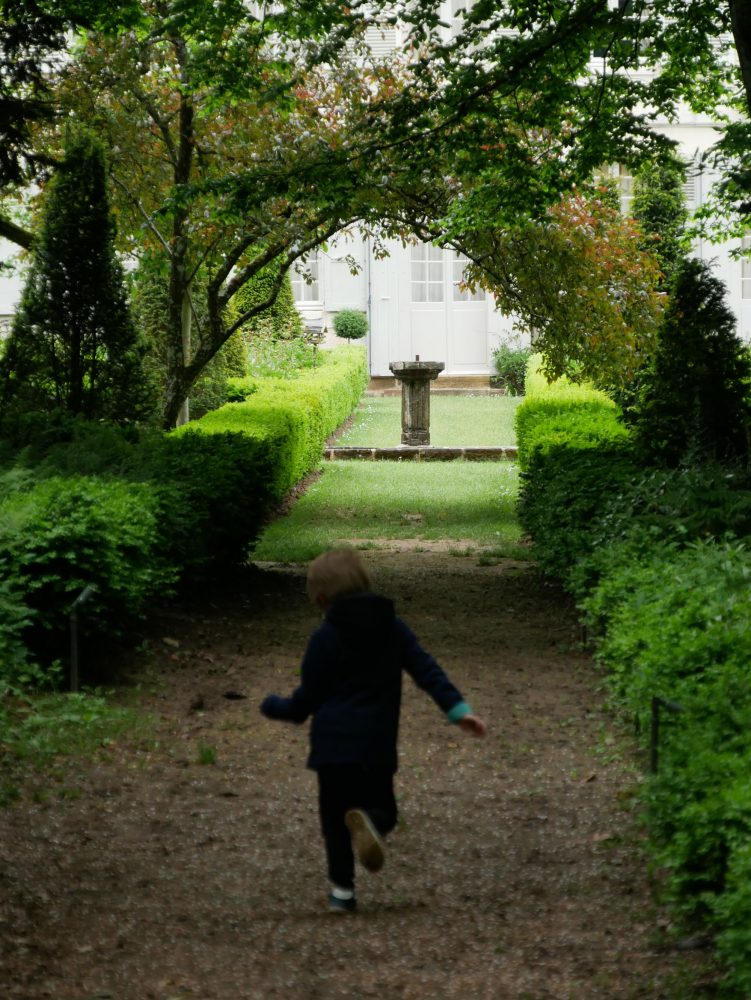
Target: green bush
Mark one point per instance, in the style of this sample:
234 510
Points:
694 400
291 420
15 620
563 493
131 513
280 321
214 492
678 626
657 561
510 363
62 535
350 324
563 414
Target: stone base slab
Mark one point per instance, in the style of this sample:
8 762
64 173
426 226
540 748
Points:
422 453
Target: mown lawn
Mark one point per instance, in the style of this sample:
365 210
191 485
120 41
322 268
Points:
470 505
455 421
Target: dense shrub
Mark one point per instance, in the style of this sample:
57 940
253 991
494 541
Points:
563 492
510 363
15 619
133 513
214 492
657 561
350 324
292 420
694 398
563 414
280 320
61 535
678 626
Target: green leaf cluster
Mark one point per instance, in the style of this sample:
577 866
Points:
61 535
350 324
510 363
659 562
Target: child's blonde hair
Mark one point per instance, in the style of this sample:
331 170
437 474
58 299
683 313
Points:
334 573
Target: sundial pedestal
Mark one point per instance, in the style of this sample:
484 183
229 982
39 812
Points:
415 377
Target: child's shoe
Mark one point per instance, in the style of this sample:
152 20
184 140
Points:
366 840
341 903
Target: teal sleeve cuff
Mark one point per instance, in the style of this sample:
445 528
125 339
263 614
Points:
459 711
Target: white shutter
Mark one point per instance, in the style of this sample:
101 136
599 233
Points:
382 40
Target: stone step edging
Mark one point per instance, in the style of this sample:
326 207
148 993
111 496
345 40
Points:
422 453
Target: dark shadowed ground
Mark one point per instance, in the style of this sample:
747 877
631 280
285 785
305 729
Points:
516 872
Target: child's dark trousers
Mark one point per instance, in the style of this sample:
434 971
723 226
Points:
351 786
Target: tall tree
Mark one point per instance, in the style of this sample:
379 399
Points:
227 154
33 40
73 345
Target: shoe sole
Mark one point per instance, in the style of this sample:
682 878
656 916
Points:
341 911
367 845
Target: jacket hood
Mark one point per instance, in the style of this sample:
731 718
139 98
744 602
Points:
361 619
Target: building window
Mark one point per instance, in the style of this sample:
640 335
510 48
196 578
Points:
625 189
458 264
746 268
304 275
427 273
459 9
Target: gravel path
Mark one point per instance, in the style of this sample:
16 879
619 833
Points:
515 874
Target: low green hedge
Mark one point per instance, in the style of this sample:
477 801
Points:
293 419
676 624
658 562
563 414
154 510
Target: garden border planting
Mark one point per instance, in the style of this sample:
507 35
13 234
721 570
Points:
657 560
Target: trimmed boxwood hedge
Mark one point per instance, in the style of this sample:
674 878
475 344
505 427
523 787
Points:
157 510
563 413
659 561
291 419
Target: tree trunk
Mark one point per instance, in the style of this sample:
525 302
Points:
175 409
183 415
740 19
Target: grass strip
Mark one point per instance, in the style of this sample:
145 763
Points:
469 505
455 421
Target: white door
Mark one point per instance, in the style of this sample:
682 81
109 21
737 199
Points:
428 322
447 323
467 323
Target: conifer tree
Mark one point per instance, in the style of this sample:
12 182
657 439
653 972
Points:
659 207
73 345
694 399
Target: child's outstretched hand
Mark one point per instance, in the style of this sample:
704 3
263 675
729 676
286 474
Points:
473 724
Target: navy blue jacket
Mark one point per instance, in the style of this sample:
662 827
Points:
352 684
